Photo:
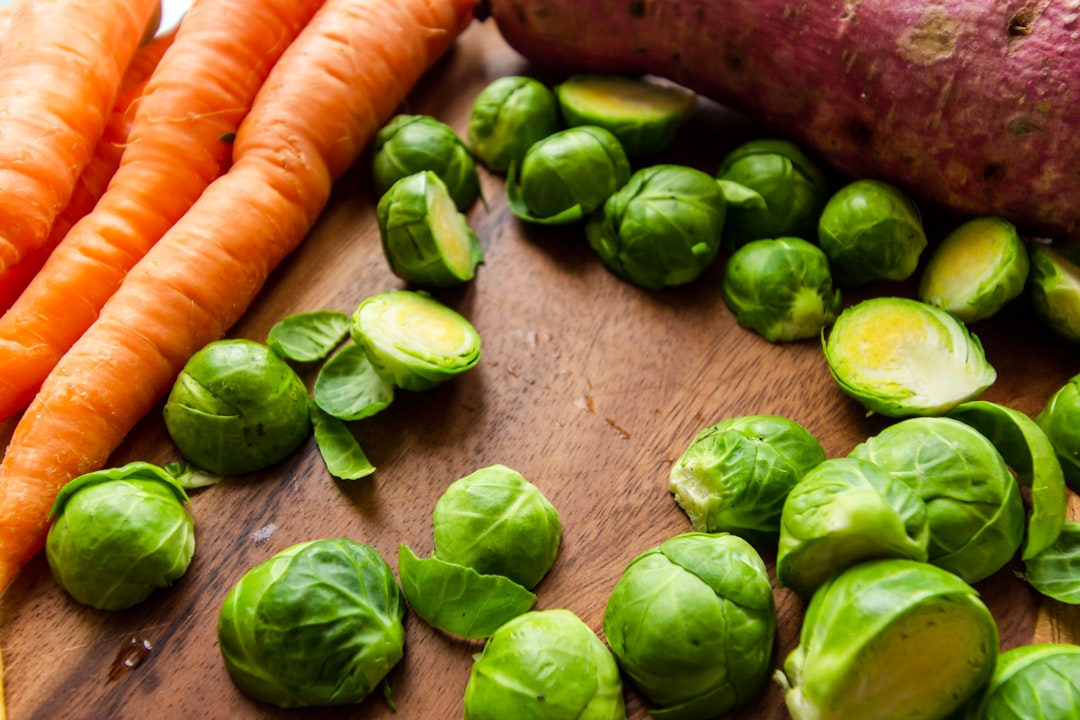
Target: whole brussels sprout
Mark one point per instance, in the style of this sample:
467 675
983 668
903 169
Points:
237 407
544 665
1031 682
567 175
119 534
691 624
319 623
508 116
1060 420
792 188
871 231
976 513
410 144
891 639
735 475
781 289
662 228
1054 288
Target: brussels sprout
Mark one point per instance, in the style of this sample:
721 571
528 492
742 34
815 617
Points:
781 289
410 144
1031 682
119 534
1060 420
842 512
236 408
319 623
977 269
735 475
691 624
792 188
1054 288
891 639
660 229
412 340
643 113
425 238
871 231
544 665
1053 571
901 357
976 513
508 116
567 175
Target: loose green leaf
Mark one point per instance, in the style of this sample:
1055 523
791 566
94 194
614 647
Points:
348 387
309 336
1055 572
344 457
191 477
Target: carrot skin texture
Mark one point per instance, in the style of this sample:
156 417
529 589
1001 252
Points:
50 128
197 95
967 104
364 56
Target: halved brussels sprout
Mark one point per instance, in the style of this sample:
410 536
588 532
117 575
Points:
662 228
890 639
1054 288
410 144
791 186
842 512
976 269
508 116
425 238
119 534
643 113
413 341
976 513
236 408
781 288
691 623
319 623
901 357
735 475
1031 682
871 231
544 665
1060 420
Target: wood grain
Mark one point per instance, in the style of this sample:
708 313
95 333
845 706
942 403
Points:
588 386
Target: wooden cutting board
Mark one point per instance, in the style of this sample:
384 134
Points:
588 386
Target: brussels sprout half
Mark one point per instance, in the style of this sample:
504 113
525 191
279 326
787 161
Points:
691 623
1060 420
662 228
1031 682
1054 288
508 116
409 144
901 357
891 639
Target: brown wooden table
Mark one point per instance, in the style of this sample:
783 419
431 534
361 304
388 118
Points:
588 386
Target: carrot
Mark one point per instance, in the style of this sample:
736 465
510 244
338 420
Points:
341 79
178 144
49 128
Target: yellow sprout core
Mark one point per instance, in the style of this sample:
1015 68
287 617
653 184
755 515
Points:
450 232
424 326
620 97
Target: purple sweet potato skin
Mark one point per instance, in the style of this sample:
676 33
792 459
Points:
972 105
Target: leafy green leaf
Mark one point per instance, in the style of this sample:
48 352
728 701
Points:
348 387
344 457
1055 572
191 477
308 336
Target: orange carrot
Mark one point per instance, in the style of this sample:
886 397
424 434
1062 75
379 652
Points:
341 79
178 143
58 82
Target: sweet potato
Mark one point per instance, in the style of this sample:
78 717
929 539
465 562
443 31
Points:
968 104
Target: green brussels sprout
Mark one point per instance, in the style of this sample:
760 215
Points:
975 510
844 511
978 268
891 639
781 289
567 175
119 534
426 240
1031 682
901 357
1060 420
409 144
1054 288
662 228
735 475
644 114
508 116
792 188
871 231
544 665
498 523
691 624
319 623
237 407
412 340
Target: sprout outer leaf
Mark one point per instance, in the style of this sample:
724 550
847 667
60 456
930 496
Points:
308 336
1053 572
